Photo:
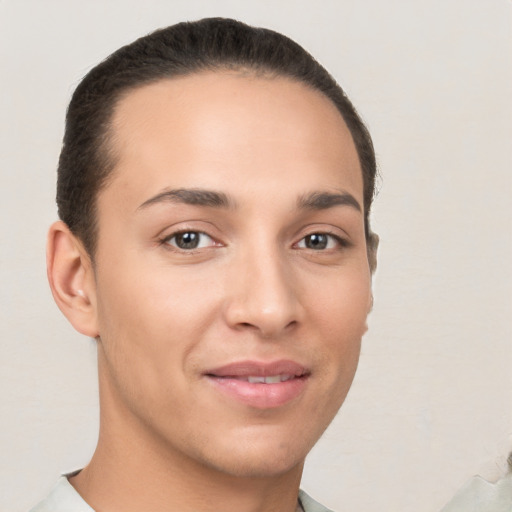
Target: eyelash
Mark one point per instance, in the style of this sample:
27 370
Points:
167 240
339 241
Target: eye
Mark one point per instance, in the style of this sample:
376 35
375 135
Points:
189 240
320 242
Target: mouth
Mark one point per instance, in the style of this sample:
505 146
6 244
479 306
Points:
260 385
271 379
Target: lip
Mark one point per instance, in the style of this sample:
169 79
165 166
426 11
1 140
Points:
231 381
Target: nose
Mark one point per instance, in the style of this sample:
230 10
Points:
262 295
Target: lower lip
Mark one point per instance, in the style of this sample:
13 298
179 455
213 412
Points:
259 395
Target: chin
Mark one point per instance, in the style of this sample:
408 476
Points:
258 459
247 467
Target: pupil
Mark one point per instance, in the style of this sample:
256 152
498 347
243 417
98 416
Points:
316 241
188 240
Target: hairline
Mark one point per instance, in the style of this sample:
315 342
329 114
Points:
243 71
109 156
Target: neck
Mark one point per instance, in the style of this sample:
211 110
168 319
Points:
133 470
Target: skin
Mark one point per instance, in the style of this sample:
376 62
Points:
254 289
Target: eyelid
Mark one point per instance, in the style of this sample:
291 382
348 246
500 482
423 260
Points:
339 241
188 225
333 231
164 240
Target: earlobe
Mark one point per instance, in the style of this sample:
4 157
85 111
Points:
370 304
71 279
368 311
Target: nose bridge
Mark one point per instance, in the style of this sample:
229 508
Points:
262 291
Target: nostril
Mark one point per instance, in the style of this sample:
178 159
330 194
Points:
269 309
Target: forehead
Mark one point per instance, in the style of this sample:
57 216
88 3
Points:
208 125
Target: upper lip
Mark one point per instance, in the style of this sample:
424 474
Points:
259 369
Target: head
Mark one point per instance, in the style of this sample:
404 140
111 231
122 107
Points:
216 185
88 157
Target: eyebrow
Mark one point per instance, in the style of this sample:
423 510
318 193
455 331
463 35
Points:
192 196
213 199
325 200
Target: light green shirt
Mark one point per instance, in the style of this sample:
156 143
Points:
64 498
478 495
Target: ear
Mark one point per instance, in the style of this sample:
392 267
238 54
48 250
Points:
370 307
372 245
71 278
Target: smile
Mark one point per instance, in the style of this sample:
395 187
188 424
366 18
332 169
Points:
273 379
260 379
260 385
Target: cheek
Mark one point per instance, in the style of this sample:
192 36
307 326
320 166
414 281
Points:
151 319
146 333
341 310
342 303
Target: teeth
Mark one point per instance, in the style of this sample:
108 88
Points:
271 379
256 380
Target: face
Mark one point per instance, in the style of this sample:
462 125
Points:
232 281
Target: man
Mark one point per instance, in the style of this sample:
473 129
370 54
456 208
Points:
214 192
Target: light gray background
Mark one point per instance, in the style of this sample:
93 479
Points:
432 402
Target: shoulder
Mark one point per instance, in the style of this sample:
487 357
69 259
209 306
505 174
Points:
62 498
478 495
310 505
